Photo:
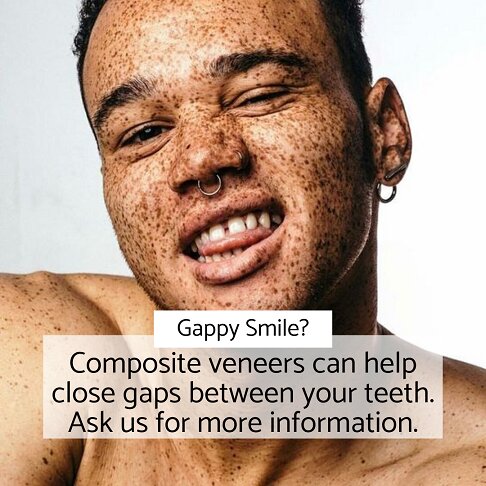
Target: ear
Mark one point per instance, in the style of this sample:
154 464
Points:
389 132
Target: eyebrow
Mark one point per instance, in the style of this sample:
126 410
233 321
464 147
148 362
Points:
224 66
136 89
237 63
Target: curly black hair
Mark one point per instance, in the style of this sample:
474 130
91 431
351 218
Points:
343 17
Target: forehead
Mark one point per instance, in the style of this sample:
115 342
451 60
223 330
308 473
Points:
176 39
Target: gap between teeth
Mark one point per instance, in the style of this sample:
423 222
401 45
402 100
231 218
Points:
232 226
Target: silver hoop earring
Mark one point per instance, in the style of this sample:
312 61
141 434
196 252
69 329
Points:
389 198
210 193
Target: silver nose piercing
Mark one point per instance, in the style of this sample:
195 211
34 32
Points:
211 193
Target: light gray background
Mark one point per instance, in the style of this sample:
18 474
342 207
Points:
432 262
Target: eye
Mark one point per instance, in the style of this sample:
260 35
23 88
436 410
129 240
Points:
144 134
262 98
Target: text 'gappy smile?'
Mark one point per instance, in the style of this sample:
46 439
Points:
239 329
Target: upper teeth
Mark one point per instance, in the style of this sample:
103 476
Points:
216 232
264 220
251 221
235 225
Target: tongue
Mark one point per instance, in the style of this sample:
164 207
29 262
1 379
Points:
232 242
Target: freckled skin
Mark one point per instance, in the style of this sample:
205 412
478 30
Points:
305 151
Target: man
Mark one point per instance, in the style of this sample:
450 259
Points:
244 153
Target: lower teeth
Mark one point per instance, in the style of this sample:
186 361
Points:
217 257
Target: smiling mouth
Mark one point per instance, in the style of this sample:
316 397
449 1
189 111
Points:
234 236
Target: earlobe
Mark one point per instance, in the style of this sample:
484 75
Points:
389 130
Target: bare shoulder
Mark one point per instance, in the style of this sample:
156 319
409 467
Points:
74 303
464 403
460 457
120 298
50 302
32 306
464 392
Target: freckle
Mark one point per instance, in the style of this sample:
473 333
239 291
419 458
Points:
45 461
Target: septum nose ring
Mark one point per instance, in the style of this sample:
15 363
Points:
211 193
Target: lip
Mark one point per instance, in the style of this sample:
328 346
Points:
237 267
198 221
239 240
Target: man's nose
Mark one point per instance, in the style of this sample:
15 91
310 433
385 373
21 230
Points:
204 153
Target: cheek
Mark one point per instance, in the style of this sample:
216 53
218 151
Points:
313 158
135 197
339 193
311 155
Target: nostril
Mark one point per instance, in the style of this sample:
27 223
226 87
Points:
243 162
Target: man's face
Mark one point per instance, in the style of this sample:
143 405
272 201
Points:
212 86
